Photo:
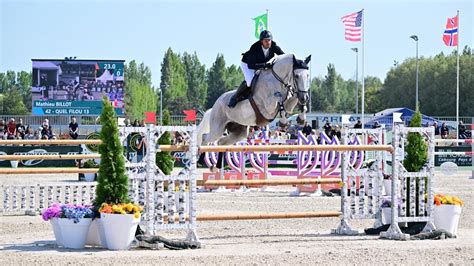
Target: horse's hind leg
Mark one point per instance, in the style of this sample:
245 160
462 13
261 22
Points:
236 133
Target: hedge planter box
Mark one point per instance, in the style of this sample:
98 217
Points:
74 234
447 217
119 230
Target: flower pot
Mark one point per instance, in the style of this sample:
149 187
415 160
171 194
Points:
57 231
94 237
74 235
89 177
14 164
386 215
447 217
119 230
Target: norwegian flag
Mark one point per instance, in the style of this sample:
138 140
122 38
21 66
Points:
450 35
353 26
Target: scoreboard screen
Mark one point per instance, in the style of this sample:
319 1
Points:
76 87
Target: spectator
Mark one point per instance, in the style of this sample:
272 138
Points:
462 131
327 128
127 122
3 129
11 129
29 134
136 123
47 132
358 124
20 129
337 132
444 131
45 122
376 125
141 147
436 128
307 129
73 128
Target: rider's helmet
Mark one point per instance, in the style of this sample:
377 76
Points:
266 34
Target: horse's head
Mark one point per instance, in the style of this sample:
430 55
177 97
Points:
301 79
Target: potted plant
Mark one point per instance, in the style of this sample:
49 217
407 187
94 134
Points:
387 210
89 177
14 163
70 223
447 211
52 214
117 225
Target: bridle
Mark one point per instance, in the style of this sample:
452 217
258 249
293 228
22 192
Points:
291 87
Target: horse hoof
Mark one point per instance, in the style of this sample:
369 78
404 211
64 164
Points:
213 169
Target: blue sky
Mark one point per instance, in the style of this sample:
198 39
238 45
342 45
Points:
143 30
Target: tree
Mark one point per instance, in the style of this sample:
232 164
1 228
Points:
373 88
164 159
416 155
195 81
234 77
216 81
173 82
141 96
112 186
16 91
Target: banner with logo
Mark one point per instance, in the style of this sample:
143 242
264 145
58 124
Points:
17 150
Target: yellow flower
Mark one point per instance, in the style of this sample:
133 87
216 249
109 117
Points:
136 215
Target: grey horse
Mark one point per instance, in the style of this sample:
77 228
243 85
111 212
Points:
276 93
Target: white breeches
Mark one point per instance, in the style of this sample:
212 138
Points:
248 73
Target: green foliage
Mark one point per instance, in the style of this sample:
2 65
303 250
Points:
416 156
89 164
164 159
141 96
15 93
416 148
112 184
196 83
216 81
173 83
437 84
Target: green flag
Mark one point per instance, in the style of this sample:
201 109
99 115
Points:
261 24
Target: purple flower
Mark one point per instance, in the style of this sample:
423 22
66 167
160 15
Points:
69 211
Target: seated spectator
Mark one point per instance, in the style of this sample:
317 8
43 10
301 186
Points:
444 131
3 129
436 127
20 129
306 129
73 128
47 132
327 128
376 125
462 131
29 134
358 124
136 123
11 129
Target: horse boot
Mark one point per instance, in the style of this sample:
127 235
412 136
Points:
237 96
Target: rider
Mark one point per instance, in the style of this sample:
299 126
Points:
255 58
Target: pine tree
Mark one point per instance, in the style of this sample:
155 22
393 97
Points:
416 156
217 77
164 159
112 184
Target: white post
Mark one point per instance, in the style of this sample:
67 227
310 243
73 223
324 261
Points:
363 77
457 87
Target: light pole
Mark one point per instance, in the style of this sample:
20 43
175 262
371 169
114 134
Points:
357 78
415 38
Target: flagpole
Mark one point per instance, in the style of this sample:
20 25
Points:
363 77
268 27
457 86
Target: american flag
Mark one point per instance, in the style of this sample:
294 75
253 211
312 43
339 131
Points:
353 26
450 36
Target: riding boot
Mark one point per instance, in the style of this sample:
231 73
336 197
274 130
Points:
236 97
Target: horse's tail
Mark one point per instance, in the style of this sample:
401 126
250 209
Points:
204 126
